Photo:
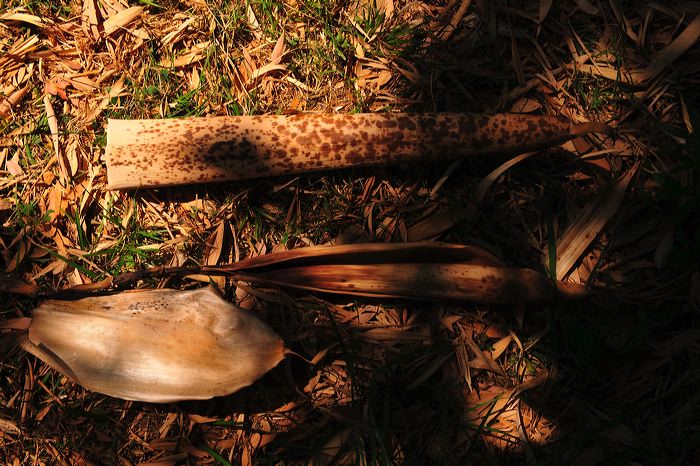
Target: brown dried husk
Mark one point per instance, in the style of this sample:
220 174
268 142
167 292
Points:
154 345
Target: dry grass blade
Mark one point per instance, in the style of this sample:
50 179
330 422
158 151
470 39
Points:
145 153
154 345
658 63
368 253
588 225
483 187
669 54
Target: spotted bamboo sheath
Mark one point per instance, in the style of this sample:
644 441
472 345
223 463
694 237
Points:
168 152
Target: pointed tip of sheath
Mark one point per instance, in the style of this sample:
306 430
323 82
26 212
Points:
581 129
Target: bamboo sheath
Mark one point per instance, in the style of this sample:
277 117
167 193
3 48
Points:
154 345
168 152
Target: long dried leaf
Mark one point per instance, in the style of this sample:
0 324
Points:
588 225
545 5
53 127
467 282
369 253
664 57
23 17
419 270
483 187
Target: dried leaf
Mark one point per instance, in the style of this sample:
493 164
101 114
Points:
192 55
205 346
121 20
386 7
6 104
587 7
264 70
431 226
91 20
588 225
253 21
23 17
456 19
53 127
525 105
369 253
417 270
483 187
545 6
8 426
20 254
419 281
675 49
500 346
199 419
278 51
13 165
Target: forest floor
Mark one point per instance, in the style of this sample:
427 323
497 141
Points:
608 379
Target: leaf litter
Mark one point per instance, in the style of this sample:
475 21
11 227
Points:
61 227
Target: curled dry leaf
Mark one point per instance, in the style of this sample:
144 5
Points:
17 15
154 345
121 20
12 165
7 103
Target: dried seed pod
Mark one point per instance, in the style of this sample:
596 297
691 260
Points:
166 152
154 345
